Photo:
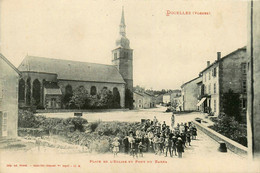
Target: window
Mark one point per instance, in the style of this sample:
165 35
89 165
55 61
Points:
244 103
140 101
209 88
215 105
243 68
215 89
4 123
53 103
214 72
126 54
115 55
244 86
21 90
93 90
205 77
205 89
209 75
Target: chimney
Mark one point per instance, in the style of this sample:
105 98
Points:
208 63
218 55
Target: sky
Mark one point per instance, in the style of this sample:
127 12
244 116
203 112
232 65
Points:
168 50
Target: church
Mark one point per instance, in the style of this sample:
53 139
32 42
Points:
45 82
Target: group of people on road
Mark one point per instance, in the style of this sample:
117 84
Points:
157 138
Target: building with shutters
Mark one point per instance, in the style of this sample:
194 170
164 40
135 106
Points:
226 73
9 77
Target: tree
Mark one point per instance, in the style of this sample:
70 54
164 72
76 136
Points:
231 105
106 99
128 99
80 98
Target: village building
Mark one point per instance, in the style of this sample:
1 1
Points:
225 74
49 83
9 77
159 99
169 97
138 100
190 94
143 100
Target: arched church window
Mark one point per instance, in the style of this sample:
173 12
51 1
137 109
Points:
21 95
116 97
28 91
36 91
68 94
93 90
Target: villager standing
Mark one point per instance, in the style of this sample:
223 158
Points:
172 120
188 137
179 146
168 146
115 146
174 147
140 149
194 132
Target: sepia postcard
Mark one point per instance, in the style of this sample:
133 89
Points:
128 86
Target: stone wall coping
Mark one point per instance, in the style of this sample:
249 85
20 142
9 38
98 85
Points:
231 145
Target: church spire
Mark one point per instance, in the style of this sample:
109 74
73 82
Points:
122 25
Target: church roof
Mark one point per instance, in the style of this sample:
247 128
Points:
72 70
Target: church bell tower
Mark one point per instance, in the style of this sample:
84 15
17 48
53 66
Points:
122 55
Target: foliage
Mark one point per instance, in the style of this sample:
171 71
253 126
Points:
105 99
26 119
77 122
129 99
94 125
229 127
231 105
79 98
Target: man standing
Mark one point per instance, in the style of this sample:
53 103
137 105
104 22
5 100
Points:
172 120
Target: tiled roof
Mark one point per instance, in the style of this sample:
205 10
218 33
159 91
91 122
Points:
72 70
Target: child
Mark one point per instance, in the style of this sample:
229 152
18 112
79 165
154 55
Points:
194 132
115 146
180 148
140 149
188 135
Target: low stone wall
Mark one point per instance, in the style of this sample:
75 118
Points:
231 145
77 110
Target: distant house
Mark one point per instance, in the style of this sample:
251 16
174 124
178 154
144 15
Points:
138 100
169 97
143 100
166 98
159 99
9 77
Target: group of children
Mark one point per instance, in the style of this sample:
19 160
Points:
157 138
